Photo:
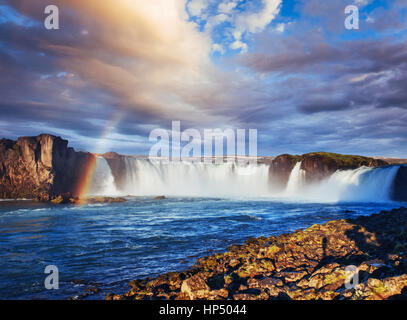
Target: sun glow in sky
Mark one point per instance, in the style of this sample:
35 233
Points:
287 68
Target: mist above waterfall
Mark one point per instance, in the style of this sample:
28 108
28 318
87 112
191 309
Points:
144 177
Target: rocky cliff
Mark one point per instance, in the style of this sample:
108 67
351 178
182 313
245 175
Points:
281 167
40 167
400 185
318 165
117 164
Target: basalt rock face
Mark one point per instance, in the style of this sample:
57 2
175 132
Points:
318 165
40 167
117 164
281 167
400 183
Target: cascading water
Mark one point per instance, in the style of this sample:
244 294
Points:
144 177
296 180
102 182
363 184
187 178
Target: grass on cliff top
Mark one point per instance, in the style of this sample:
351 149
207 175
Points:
345 159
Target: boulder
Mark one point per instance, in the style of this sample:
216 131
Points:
195 287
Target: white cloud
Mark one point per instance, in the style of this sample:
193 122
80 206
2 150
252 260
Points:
227 7
195 7
280 27
216 47
215 20
241 22
361 3
237 34
364 76
370 19
256 22
239 45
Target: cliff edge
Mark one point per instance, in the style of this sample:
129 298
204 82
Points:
40 167
318 165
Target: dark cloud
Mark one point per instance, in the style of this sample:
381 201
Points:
327 105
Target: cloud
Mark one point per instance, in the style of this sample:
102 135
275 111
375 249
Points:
216 47
280 27
354 74
227 6
239 45
256 22
240 19
361 2
148 60
195 7
304 82
152 65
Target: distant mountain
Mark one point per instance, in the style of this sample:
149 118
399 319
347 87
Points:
393 160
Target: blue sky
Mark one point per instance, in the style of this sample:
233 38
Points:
116 70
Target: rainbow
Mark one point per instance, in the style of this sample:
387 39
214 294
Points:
82 189
85 180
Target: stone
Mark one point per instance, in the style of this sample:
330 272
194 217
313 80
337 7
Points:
195 287
270 282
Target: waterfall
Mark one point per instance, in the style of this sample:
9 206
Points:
195 179
145 177
363 184
296 180
102 182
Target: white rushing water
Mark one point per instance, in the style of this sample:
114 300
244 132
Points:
363 184
197 179
296 181
243 180
102 182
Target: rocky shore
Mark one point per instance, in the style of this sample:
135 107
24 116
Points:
307 264
81 201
